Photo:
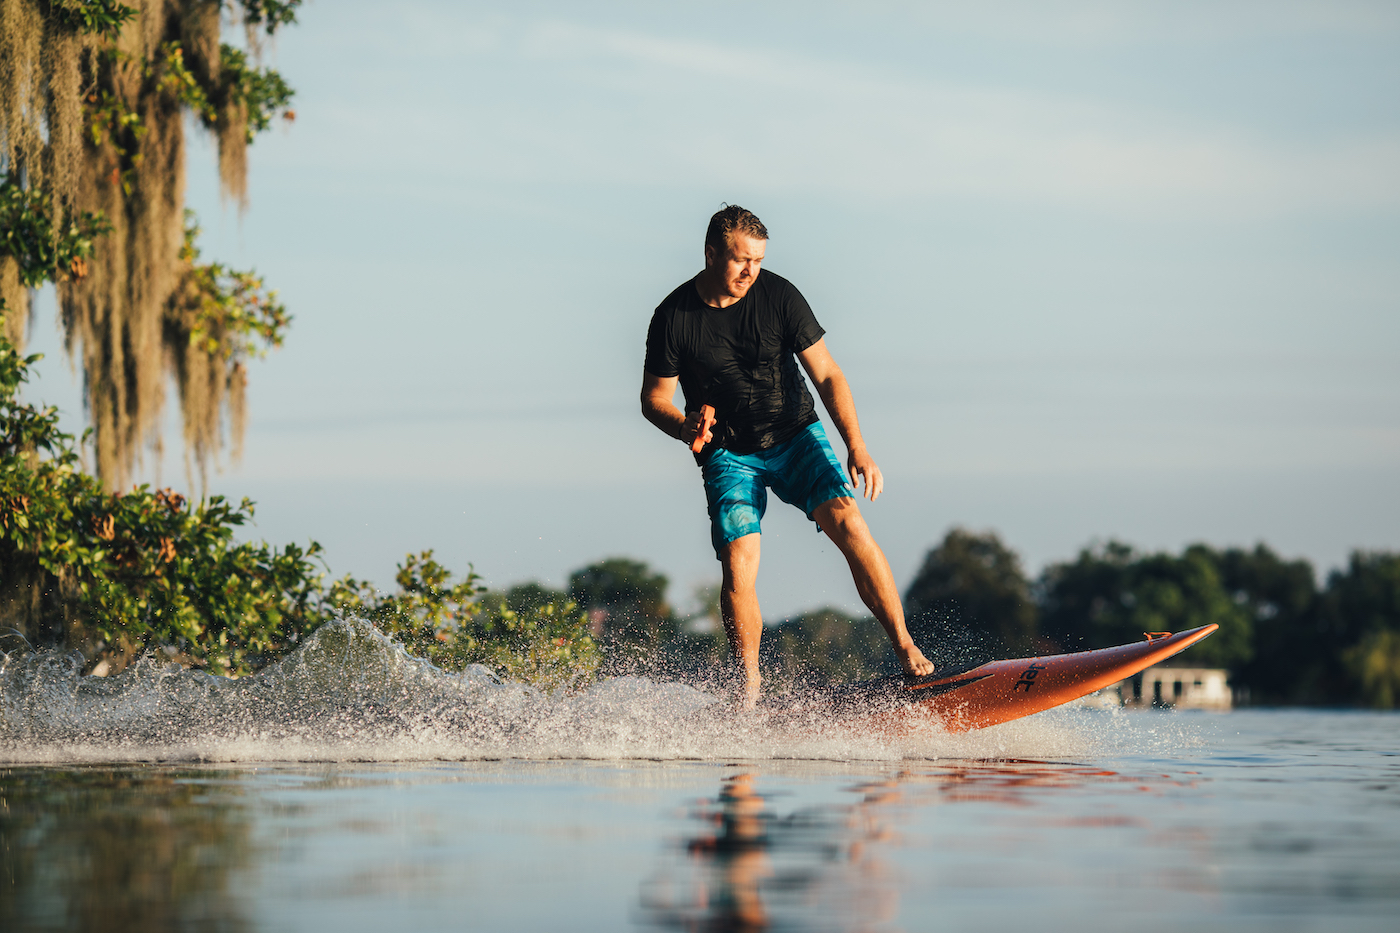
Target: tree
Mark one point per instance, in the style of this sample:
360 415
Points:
1290 651
1360 615
971 599
92 175
528 633
828 646
1112 595
112 575
626 605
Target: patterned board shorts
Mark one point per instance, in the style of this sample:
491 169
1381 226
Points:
803 472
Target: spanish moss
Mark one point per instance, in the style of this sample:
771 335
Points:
93 98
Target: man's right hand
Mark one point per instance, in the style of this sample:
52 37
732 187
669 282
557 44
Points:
657 407
696 431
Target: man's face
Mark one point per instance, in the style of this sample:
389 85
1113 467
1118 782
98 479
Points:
737 267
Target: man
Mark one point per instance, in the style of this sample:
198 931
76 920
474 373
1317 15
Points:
732 337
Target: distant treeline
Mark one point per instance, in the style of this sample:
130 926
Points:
1283 638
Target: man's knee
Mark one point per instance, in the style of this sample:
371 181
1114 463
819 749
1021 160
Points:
739 560
841 520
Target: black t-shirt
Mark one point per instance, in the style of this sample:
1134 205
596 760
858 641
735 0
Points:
739 359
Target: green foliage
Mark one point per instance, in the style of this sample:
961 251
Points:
827 646
116 575
99 17
548 645
627 589
171 575
269 14
1280 597
626 605
1282 638
1375 664
138 570
971 598
110 120
1112 595
27 233
528 633
107 17
1365 597
237 317
423 614
174 77
1360 611
261 90
262 93
24 429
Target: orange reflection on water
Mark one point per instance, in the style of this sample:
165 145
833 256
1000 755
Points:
751 863
732 863
738 851
1016 782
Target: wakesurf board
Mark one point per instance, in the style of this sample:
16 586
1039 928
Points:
977 696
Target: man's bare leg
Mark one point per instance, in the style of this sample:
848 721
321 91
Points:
845 526
738 606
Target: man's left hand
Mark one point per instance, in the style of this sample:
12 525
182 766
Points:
861 464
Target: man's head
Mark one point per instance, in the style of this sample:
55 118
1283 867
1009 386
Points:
734 247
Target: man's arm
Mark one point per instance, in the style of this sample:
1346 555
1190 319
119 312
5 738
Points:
657 407
835 393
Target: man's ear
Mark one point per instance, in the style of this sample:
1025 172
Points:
711 254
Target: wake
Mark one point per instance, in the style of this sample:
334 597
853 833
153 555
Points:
349 693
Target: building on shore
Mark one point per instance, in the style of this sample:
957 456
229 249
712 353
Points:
1178 687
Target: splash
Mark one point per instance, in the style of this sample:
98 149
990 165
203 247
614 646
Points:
349 693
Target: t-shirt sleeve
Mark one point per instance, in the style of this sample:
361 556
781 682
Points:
661 359
802 329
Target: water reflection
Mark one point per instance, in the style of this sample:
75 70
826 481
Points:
104 849
1257 840
1019 783
751 868
738 853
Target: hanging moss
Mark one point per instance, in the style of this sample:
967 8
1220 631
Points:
93 95
216 321
33 250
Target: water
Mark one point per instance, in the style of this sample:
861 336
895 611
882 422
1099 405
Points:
353 788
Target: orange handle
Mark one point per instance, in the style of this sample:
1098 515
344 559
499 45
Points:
704 435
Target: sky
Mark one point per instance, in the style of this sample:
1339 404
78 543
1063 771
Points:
1118 270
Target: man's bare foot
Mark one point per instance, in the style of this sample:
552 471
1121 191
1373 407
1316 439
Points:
913 661
752 687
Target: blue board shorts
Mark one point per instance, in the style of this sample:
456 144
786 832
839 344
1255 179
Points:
803 472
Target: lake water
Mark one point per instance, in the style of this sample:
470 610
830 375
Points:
354 789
